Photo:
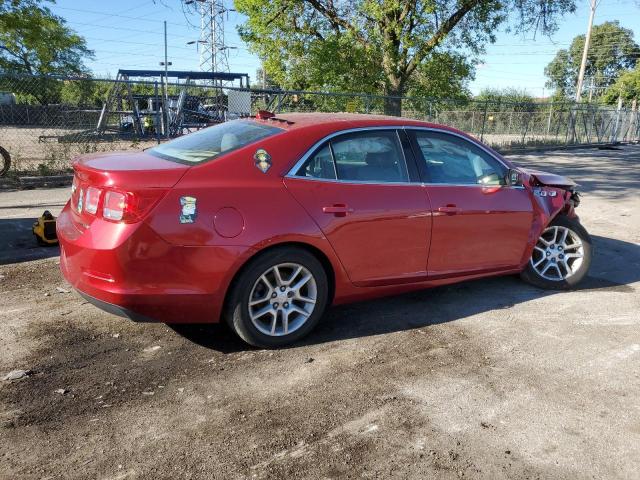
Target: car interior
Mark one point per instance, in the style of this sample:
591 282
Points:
366 158
448 162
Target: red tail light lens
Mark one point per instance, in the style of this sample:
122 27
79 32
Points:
92 199
130 207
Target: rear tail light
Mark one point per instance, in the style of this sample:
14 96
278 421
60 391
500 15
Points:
130 207
92 199
114 207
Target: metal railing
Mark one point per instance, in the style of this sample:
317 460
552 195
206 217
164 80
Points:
46 121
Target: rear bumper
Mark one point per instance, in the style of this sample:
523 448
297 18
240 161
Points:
130 271
115 309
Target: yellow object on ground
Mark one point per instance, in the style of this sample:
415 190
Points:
44 229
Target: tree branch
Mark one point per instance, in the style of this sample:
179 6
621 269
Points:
440 35
277 15
330 13
19 56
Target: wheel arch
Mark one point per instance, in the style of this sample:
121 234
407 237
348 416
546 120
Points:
321 256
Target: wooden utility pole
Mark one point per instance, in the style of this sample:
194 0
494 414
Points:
587 40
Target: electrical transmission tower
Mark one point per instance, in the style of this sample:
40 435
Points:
214 56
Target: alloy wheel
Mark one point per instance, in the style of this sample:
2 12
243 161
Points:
282 299
558 254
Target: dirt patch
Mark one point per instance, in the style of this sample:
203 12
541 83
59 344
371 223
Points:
273 413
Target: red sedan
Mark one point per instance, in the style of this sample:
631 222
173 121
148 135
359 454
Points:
264 222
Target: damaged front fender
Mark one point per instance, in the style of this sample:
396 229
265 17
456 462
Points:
551 195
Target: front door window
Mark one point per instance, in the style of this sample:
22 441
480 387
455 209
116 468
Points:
455 161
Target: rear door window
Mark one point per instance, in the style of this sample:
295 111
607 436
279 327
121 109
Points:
209 143
367 156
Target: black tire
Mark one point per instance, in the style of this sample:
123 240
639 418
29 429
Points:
6 162
530 275
237 306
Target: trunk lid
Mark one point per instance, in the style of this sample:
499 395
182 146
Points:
137 172
128 170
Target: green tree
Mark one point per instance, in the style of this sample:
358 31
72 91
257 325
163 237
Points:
88 93
626 86
444 75
611 51
508 99
34 41
380 46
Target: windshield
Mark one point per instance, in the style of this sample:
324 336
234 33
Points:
209 143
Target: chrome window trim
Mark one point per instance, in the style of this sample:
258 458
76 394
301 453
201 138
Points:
333 162
354 182
291 173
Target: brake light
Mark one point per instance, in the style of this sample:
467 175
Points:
92 198
264 115
130 207
115 204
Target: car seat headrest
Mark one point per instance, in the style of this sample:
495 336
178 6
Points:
229 141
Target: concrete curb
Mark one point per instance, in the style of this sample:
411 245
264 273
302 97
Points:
45 181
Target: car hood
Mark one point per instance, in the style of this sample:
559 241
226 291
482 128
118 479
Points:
550 179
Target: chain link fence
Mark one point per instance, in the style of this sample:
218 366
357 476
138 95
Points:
45 122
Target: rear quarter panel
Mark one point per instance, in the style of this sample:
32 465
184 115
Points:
265 209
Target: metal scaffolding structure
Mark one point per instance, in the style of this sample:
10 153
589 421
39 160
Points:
136 105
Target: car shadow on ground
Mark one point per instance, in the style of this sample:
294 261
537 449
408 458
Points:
616 265
18 244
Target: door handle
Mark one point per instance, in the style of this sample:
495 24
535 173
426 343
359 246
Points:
449 209
338 209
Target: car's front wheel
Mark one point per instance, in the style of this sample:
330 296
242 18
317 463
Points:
561 256
278 298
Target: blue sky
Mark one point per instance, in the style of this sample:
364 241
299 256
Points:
128 34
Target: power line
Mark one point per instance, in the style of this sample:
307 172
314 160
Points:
137 43
137 30
107 14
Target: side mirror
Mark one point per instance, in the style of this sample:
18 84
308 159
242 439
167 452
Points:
514 178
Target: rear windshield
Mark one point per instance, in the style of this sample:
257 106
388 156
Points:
209 143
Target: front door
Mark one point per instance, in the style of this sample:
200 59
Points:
479 223
359 191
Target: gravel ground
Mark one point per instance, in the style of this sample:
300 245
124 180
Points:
486 379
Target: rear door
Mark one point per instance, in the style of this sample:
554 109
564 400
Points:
368 201
479 223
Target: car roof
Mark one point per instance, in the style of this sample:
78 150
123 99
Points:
335 122
341 121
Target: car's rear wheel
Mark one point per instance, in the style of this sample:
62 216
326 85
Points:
278 298
561 256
